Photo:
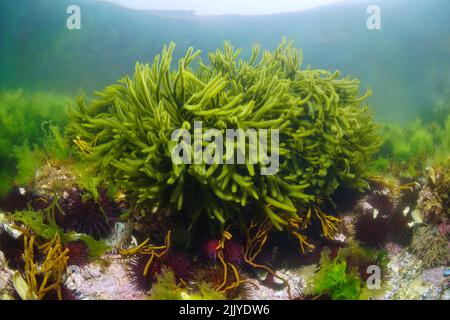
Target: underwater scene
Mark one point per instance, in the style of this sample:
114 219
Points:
224 150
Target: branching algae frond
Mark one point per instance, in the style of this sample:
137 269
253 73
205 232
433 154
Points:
256 235
326 135
42 278
146 249
228 267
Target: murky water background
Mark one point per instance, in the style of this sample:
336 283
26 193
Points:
406 63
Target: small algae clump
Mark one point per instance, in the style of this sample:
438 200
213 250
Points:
326 135
40 224
347 275
167 288
333 280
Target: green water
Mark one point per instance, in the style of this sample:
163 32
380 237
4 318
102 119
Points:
46 65
406 63
352 188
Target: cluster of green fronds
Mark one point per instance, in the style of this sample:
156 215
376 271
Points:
36 221
43 227
335 281
97 248
343 277
27 121
166 288
409 149
327 135
430 246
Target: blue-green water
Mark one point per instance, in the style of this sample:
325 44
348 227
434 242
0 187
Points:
341 193
406 63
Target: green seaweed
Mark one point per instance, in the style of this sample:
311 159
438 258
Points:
207 292
334 280
55 144
43 227
36 221
97 248
327 135
27 162
407 150
25 118
166 288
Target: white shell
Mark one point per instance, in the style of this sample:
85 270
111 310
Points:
375 213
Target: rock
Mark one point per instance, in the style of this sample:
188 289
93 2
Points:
94 282
407 280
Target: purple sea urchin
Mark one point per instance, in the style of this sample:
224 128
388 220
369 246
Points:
378 220
345 199
20 199
136 268
233 251
213 274
400 232
178 263
382 202
67 294
87 215
371 231
12 249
